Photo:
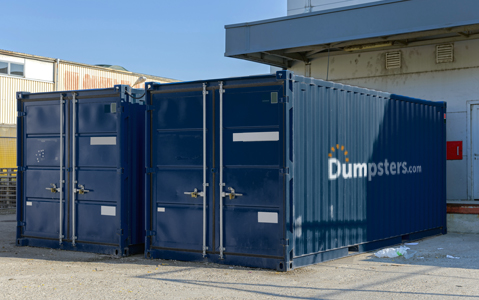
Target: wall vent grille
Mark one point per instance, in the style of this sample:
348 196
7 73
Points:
444 53
393 60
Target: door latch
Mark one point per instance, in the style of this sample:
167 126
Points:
81 190
233 194
195 193
54 188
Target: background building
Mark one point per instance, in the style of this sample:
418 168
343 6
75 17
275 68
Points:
31 73
419 48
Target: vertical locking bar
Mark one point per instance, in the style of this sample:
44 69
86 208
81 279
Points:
60 237
205 92
221 169
74 168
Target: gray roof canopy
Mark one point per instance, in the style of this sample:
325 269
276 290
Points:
386 24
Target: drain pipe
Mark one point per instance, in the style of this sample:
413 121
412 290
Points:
57 72
308 7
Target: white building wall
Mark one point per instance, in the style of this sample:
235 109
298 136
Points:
33 69
39 70
420 77
304 6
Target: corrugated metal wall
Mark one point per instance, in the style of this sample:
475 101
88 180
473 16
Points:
8 146
77 77
8 88
357 126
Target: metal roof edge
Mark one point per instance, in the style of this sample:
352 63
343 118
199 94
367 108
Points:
52 60
118 71
366 36
321 12
24 55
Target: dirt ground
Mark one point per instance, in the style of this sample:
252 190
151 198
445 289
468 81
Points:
38 273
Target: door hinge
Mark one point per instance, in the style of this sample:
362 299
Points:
119 170
284 99
150 107
285 242
284 171
150 170
22 114
19 223
21 169
150 233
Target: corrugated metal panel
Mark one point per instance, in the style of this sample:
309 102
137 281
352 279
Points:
386 133
8 146
8 88
8 152
77 77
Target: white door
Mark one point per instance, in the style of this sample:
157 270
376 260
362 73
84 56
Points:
475 148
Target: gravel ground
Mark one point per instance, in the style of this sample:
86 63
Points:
38 273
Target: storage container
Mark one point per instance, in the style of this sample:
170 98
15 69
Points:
80 174
281 171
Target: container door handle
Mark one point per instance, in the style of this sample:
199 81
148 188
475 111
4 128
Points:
233 194
54 188
81 190
195 193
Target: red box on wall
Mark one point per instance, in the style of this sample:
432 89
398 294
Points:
454 150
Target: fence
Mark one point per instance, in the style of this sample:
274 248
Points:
8 188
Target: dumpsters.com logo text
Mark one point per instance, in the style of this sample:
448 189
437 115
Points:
370 170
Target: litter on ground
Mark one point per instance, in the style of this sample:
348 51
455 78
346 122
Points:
393 252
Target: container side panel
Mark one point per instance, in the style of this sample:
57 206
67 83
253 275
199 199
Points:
366 167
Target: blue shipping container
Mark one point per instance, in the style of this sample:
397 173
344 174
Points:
80 176
282 171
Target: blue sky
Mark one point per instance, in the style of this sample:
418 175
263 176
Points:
178 39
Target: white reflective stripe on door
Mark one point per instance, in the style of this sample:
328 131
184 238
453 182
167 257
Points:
256 136
267 217
108 211
103 140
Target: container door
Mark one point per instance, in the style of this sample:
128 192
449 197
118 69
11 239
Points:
251 148
475 149
179 160
97 181
42 155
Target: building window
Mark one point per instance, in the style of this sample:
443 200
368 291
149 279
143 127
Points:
12 69
3 67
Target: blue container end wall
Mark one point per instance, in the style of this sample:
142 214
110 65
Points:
102 134
281 171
